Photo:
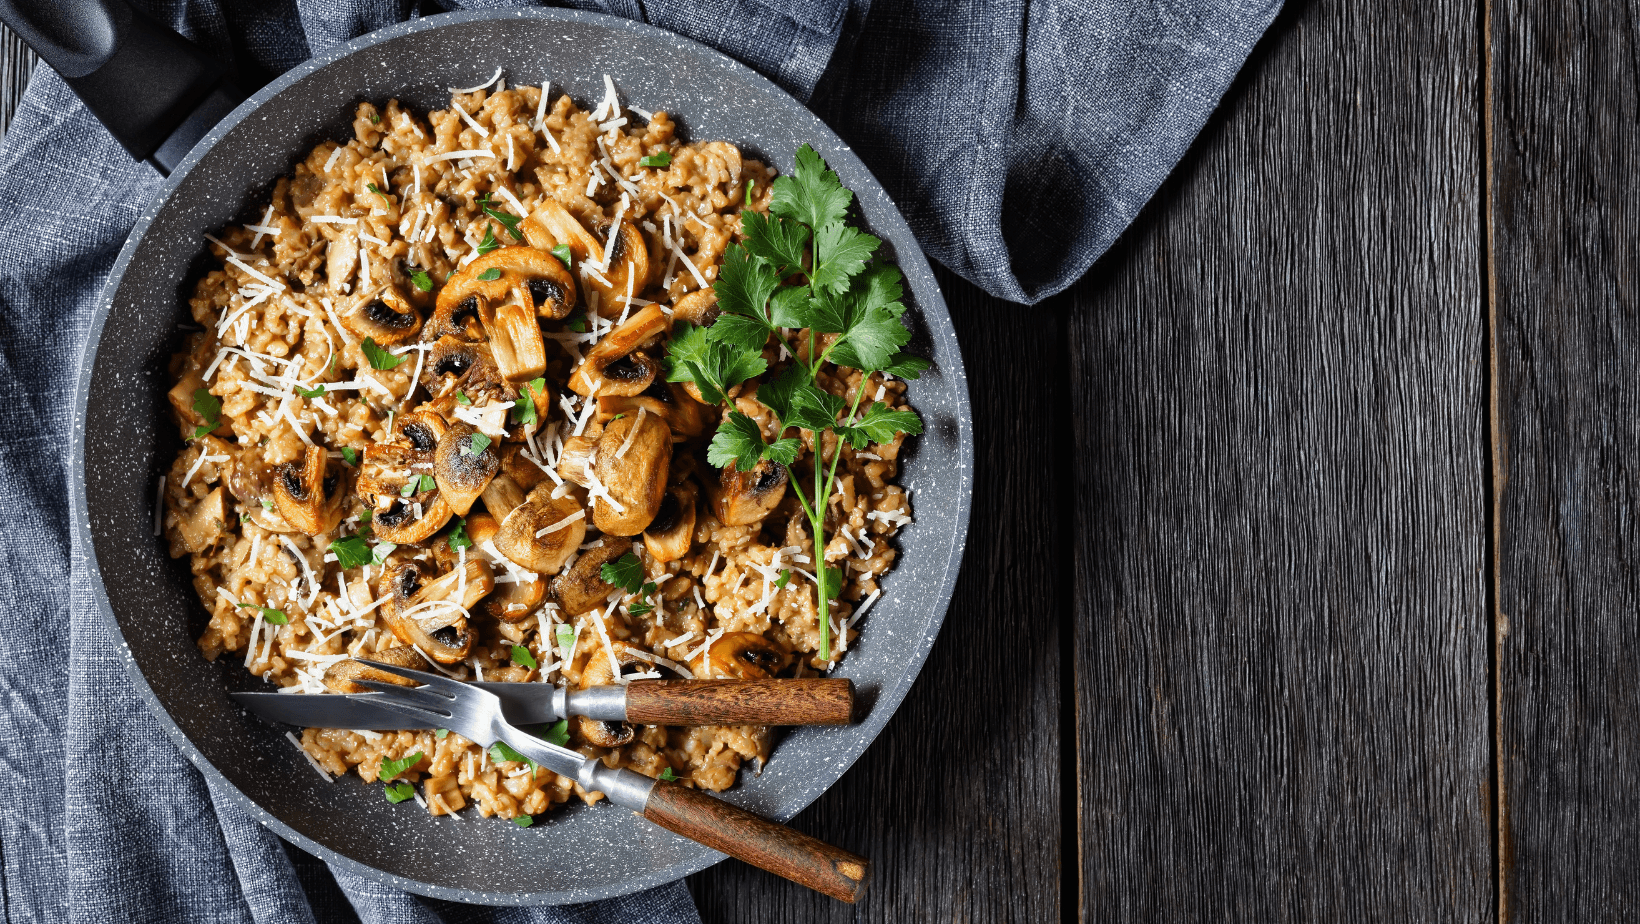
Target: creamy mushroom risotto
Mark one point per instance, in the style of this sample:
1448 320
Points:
516 391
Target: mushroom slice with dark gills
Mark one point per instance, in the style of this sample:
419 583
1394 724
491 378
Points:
552 224
615 365
582 586
344 676
541 533
698 307
508 602
599 672
429 611
744 498
532 276
668 400
309 495
385 316
627 473
740 656
461 473
673 530
403 509
458 365
421 430
250 481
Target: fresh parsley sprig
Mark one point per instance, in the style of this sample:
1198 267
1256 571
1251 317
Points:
802 269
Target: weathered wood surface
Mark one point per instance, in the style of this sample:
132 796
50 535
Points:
1282 631
1565 162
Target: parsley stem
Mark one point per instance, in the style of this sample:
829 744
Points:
817 516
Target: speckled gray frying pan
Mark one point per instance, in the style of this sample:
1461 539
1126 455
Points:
124 440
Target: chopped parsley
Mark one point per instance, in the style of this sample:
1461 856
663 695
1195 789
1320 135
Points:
351 457
441 733
523 821
351 552
668 775
489 242
209 408
558 733
625 572
578 321
475 446
400 791
463 400
523 410
269 614
521 656
418 483
663 159
785 577
801 268
564 256
490 275
392 768
267 504
375 119
379 358
458 537
510 222
422 281
566 640
318 392
501 751
376 189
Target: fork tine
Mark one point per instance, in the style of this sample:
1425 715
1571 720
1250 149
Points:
434 681
400 700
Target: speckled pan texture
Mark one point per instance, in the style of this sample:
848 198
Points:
122 445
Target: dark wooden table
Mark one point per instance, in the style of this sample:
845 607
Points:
1303 530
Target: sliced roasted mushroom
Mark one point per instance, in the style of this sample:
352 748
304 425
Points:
341 256
614 366
538 278
599 672
740 656
565 229
515 339
201 527
502 495
673 530
744 498
250 481
344 676
386 317
421 429
517 464
390 483
627 268
627 477
582 586
508 602
309 495
454 364
430 614
668 400
541 534
574 461
698 307
461 473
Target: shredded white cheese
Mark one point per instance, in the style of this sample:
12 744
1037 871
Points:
561 524
483 86
471 122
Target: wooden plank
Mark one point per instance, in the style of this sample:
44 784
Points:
1564 183
16 64
958 802
1282 650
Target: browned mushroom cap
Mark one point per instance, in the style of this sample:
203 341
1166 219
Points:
673 530
541 534
502 496
574 460
563 228
461 473
201 527
421 430
740 656
250 481
454 364
309 495
744 498
667 400
456 312
628 260
515 339
515 464
430 613
698 307
385 316
602 372
397 516
582 586
508 602
599 672
630 463
344 676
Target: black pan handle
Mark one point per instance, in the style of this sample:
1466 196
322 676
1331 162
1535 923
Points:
157 92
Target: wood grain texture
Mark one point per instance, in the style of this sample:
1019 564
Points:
769 846
16 64
1565 178
1283 639
808 701
958 802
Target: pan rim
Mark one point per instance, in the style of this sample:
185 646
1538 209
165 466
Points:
889 698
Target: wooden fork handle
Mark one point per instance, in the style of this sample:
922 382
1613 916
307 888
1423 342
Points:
758 841
809 701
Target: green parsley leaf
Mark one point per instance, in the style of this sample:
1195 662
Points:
375 119
663 159
351 457
840 253
738 441
523 410
501 751
379 358
789 307
879 425
748 192
462 399
744 284
269 614
441 733
625 572
378 555
392 768
510 222
318 392
364 517
906 366
267 504
375 189
490 275
640 609
667 774
476 444
564 256
351 552
458 537
617 417
208 407
566 640
785 578
696 355
832 578
559 733
523 821
489 242
422 281
813 196
398 792
783 451
780 241
409 487
521 656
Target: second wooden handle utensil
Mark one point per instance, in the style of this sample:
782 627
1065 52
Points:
810 701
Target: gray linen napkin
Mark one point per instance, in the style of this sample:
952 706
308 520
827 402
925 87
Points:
1019 139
